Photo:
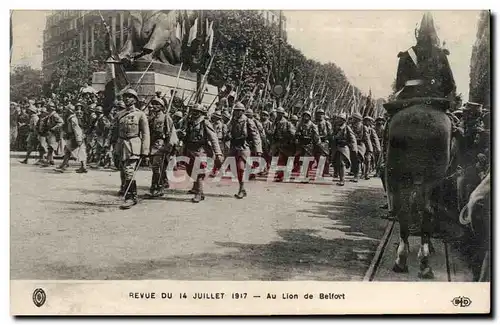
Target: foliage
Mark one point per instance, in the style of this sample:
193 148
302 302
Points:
246 52
25 82
72 72
479 87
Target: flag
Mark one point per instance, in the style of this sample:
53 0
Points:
178 32
210 37
193 32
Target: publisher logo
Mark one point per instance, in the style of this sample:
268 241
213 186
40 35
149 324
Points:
461 301
39 297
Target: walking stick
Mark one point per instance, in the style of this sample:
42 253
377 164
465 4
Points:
132 179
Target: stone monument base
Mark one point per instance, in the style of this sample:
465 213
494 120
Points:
159 77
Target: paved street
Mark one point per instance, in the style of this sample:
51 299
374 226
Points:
69 226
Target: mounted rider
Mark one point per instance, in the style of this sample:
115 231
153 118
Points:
424 70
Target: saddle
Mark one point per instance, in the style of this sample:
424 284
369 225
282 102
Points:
393 107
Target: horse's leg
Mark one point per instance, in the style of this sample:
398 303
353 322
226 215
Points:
400 265
425 209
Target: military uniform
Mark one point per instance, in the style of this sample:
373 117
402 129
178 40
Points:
245 140
424 70
323 148
200 141
283 139
102 127
74 144
163 142
51 130
131 141
364 145
267 125
374 139
32 140
307 138
344 142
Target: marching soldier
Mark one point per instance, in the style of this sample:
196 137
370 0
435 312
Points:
42 139
282 140
199 141
364 145
102 127
32 140
15 113
307 137
75 146
163 142
262 134
368 122
294 119
52 125
325 133
131 140
344 142
222 135
379 130
266 141
245 139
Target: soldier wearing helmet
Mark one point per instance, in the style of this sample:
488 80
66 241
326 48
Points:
294 119
306 137
102 127
163 144
245 139
325 134
266 141
131 142
200 141
262 133
283 140
364 145
344 142
75 146
222 135
371 159
51 130
32 140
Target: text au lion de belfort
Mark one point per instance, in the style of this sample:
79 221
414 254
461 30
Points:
233 296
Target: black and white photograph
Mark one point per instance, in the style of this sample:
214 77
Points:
320 147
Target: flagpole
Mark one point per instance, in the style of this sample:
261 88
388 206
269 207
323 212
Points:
176 86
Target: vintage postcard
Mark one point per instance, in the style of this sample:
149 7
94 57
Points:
249 162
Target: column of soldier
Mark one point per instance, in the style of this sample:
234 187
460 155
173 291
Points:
137 132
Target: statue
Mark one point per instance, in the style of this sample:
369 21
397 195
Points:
151 37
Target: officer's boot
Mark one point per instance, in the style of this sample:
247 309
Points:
241 192
164 181
199 196
194 189
131 197
154 184
367 169
341 172
123 185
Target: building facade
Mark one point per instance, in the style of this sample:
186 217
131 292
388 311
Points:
67 30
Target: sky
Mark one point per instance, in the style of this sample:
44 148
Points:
364 44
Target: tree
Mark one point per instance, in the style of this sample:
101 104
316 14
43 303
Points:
479 87
73 71
247 53
25 82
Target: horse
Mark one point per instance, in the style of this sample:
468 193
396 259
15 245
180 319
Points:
476 213
417 161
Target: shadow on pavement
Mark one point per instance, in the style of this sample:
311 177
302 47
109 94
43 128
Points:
299 254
